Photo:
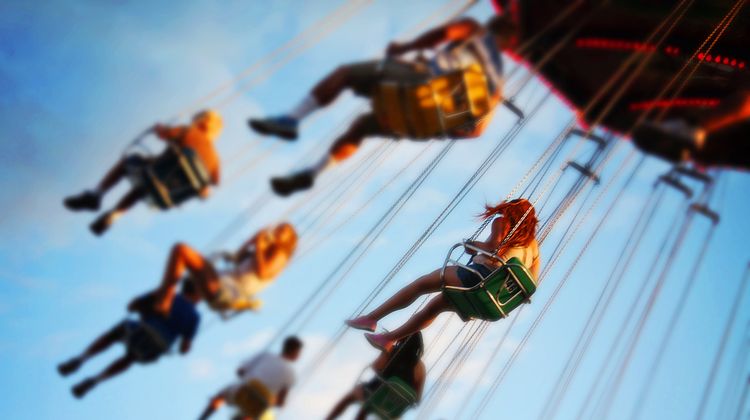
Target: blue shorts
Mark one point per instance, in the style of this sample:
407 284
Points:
142 344
470 279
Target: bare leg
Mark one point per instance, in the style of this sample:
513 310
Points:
328 89
103 222
117 367
362 414
99 345
105 341
184 258
348 143
348 399
130 199
344 147
113 176
421 319
428 283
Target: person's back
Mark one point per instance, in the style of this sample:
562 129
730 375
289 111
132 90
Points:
272 370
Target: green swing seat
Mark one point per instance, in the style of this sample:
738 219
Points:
391 399
496 295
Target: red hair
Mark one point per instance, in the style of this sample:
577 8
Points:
519 214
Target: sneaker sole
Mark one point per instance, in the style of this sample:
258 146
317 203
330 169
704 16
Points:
271 131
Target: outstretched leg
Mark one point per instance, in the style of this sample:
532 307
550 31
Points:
344 147
355 395
91 199
184 258
103 222
117 367
360 77
99 345
428 283
417 322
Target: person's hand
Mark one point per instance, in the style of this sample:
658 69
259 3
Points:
469 250
184 346
205 192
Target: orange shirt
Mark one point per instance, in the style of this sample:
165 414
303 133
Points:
196 139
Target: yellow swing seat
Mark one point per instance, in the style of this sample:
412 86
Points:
252 399
439 107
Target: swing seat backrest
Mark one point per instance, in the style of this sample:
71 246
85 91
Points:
391 399
174 177
496 295
437 107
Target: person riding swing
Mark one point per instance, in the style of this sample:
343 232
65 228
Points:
264 382
509 257
450 95
253 267
397 385
185 169
146 339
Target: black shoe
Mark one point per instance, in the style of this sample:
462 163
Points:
69 367
102 223
285 186
84 201
283 127
83 388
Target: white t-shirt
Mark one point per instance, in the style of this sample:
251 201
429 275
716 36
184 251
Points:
272 370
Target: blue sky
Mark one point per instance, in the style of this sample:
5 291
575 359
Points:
82 78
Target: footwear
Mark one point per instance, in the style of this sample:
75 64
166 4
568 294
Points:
84 201
102 223
379 341
69 367
362 323
285 186
284 127
83 388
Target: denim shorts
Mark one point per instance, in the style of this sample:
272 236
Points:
469 278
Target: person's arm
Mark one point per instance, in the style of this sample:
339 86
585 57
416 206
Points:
381 362
537 263
242 370
453 31
281 397
420 374
168 133
493 240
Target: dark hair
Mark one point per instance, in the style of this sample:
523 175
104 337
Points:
405 355
291 344
502 25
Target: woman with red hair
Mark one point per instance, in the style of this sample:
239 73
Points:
513 235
